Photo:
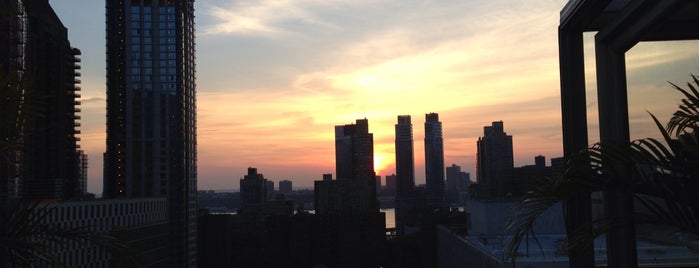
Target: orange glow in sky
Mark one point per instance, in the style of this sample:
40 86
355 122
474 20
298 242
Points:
275 77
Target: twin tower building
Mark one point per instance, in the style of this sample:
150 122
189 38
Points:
354 156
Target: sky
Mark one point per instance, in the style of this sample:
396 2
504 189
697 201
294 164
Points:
275 76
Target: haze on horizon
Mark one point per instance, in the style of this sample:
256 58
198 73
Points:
275 76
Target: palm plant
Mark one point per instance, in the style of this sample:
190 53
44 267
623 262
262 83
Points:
662 175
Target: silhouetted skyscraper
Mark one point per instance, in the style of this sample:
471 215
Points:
42 68
354 151
253 190
434 160
495 159
457 182
151 112
285 186
405 171
354 163
405 160
270 189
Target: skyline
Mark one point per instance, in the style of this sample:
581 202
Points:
274 77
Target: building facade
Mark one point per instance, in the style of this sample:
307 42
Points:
151 112
495 160
434 160
40 71
125 217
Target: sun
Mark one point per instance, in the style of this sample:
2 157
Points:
381 163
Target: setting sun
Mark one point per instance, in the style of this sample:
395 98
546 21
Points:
382 162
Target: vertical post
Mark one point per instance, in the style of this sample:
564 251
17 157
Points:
614 129
574 114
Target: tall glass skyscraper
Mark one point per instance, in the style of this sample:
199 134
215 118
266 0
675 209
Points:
151 112
434 160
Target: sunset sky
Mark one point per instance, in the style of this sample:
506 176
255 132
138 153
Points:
275 76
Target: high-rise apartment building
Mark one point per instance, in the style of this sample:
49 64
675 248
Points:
434 160
457 183
354 164
404 180
495 160
253 190
269 185
285 187
391 184
354 151
39 73
151 112
405 159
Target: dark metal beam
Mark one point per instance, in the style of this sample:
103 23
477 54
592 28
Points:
614 129
578 208
636 20
674 31
580 14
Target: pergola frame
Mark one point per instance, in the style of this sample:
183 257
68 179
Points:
620 25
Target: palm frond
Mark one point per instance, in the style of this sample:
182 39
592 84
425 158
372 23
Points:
662 174
687 116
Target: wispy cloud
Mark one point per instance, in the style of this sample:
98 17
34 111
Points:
265 17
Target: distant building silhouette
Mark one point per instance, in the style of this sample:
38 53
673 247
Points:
151 112
434 160
457 183
253 190
558 166
269 184
405 159
354 162
494 161
285 187
330 196
350 225
391 184
523 178
404 186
